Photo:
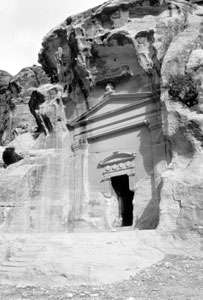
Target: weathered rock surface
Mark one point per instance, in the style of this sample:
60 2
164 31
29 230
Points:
181 193
4 100
138 47
30 77
15 94
4 79
118 49
119 42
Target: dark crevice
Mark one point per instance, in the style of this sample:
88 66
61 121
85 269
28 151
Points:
9 156
42 120
72 42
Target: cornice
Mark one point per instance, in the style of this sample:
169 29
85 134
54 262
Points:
113 112
140 98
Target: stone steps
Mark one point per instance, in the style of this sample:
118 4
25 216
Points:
19 259
14 263
89 222
31 248
12 275
26 254
17 264
8 269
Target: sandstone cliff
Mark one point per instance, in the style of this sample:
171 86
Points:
4 111
119 42
122 47
15 94
181 193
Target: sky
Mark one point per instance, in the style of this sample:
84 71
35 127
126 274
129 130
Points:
24 23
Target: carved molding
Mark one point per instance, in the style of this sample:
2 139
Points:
117 157
119 163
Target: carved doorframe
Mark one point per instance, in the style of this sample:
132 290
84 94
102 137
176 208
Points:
119 163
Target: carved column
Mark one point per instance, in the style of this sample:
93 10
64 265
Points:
158 150
81 180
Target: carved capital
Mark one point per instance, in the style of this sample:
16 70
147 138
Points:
154 123
80 144
155 127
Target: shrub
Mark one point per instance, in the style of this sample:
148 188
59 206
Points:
183 88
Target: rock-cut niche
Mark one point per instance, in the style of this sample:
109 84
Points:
116 61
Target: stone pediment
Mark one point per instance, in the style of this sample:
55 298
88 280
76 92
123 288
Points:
113 105
116 158
118 163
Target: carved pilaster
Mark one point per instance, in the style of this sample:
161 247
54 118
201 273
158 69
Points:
81 174
132 181
155 126
158 150
106 187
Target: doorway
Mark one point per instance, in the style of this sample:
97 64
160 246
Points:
120 185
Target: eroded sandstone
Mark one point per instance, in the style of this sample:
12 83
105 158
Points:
107 146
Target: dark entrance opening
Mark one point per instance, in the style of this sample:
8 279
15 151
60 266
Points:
125 198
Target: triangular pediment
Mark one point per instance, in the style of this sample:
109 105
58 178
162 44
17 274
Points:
113 104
